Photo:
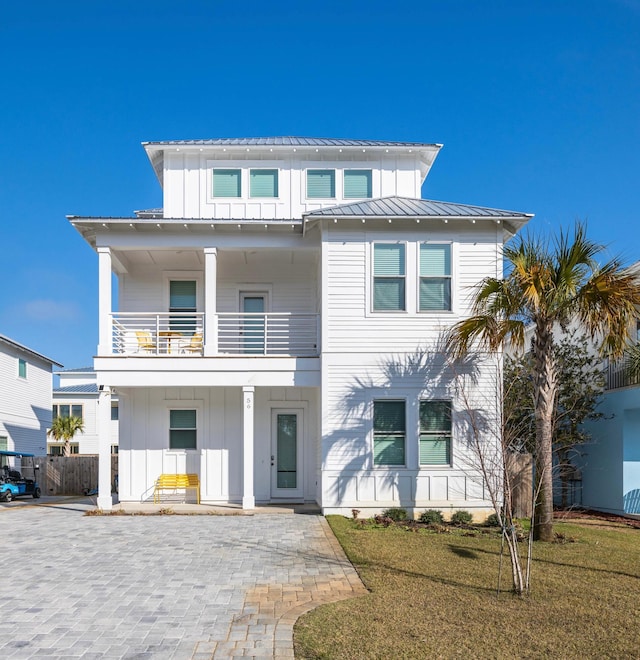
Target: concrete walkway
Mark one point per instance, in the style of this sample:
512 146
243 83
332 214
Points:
171 586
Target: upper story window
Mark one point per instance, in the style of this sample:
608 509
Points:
389 277
22 368
114 413
435 432
67 410
389 432
321 184
227 183
358 184
435 277
263 183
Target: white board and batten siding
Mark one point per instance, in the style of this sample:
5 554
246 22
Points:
25 403
188 182
218 459
369 356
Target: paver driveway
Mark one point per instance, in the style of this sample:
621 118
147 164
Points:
161 586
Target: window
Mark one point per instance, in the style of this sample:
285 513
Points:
226 183
182 298
263 183
435 433
389 431
22 368
388 277
182 429
114 449
58 450
357 184
67 410
321 184
4 443
114 412
435 277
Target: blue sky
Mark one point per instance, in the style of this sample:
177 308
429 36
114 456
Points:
537 104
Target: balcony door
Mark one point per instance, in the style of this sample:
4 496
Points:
254 305
286 453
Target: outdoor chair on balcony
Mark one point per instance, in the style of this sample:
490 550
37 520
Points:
145 342
194 345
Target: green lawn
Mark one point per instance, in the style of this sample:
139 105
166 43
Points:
434 595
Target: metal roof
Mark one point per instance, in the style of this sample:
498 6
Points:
87 388
409 207
290 141
10 341
77 370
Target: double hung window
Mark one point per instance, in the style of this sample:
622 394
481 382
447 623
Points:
389 277
435 433
435 277
389 432
182 306
182 429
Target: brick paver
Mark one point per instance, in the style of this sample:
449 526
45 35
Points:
183 587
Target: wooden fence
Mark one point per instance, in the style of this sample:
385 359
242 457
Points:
70 475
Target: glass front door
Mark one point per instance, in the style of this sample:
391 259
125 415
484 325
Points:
286 454
253 324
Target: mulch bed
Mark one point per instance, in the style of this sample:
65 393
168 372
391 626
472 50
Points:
589 514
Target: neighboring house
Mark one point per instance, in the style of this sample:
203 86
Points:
25 397
278 323
610 463
77 396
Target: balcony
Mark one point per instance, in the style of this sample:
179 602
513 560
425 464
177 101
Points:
181 334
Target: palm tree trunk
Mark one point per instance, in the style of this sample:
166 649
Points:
544 392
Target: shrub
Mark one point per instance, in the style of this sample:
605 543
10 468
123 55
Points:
461 518
432 517
492 520
396 514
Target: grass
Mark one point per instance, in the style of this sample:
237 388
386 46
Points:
434 595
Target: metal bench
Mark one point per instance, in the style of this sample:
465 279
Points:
176 482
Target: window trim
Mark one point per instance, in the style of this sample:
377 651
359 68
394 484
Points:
265 169
226 169
420 277
440 433
374 276
320 169
345 173
182 404
388 466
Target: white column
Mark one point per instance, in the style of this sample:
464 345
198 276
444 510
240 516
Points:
105 343
104 450
248 499
210 294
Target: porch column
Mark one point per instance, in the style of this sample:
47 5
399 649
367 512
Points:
105 341
104 449
210 294
248 499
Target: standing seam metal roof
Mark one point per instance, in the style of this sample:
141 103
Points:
408 207
291 141
87 388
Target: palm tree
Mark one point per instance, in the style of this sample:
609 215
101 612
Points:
550 284
65 428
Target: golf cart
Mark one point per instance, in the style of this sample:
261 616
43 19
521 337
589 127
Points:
12 482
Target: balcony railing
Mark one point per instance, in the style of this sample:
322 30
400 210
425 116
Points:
182 334
618 375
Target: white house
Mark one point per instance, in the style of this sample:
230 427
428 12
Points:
25 397
77 395
278 322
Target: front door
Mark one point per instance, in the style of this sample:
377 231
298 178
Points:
286 454
253 305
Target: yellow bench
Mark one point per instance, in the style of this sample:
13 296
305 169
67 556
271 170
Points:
175 482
